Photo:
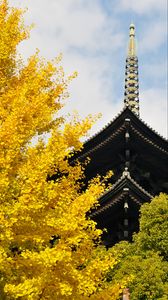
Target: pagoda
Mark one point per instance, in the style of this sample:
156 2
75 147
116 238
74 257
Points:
137 155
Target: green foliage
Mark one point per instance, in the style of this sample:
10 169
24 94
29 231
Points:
153 233
145 258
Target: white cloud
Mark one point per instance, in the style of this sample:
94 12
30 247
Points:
89 92
81 32
72 24
143 6
153 36
90 40
155 70
154 109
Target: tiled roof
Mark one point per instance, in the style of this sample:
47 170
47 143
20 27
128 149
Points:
125 176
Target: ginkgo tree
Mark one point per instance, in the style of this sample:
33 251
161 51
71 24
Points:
48 248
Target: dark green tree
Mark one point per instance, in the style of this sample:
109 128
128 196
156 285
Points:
153 233
146 258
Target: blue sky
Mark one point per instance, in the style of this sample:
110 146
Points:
93 37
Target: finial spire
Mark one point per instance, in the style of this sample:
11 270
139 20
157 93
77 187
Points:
131 75
132 46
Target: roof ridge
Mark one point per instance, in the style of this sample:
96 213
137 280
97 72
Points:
102 143
126 174
150 127
105 126
149 141
121 111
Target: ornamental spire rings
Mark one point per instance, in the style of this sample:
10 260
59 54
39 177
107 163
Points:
131 95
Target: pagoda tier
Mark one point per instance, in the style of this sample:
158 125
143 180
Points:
138 157
118 211
128 142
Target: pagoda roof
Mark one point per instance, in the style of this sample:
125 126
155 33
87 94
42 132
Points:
124 186
148 152
117 126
